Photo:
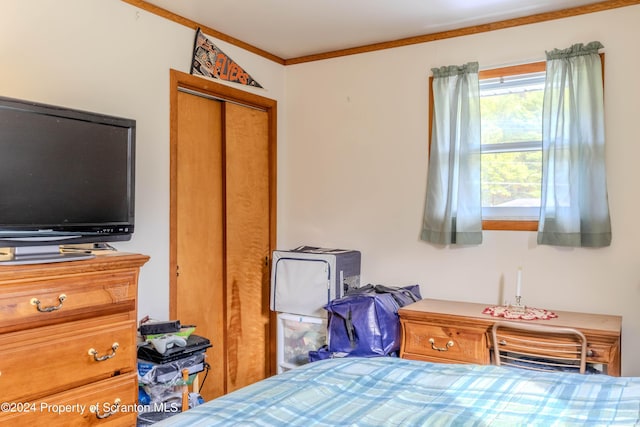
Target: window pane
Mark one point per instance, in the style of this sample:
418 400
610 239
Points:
512 111
511 145
511 179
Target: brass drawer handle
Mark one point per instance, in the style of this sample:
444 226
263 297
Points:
114 410
93 352
36 302
433 345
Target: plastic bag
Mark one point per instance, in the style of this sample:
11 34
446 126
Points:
365 322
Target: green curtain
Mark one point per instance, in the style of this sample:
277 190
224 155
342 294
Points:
574 207
453 211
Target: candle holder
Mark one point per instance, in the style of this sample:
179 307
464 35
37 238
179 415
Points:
518 307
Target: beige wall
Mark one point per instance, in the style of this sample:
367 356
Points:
110 57
357 164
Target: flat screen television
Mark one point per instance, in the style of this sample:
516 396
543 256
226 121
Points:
66 177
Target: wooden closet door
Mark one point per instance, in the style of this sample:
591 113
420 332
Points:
222 225
246 139
199 233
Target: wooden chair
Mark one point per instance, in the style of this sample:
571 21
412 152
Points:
539 347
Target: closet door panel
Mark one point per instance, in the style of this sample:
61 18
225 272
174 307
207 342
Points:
247 243
199 235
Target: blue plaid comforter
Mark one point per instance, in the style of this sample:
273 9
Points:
388 391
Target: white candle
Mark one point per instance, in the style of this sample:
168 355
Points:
519 282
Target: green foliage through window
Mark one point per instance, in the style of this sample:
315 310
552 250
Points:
511 120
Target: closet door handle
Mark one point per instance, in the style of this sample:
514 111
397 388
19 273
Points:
93 352
36 302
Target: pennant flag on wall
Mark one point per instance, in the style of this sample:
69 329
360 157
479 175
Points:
210 61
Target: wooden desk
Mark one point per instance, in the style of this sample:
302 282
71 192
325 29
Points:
458 332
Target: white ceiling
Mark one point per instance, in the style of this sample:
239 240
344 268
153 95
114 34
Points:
295 28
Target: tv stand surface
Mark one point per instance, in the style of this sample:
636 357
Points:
41 255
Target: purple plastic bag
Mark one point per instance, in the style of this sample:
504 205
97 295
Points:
365 322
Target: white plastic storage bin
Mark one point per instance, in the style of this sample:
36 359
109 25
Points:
297 336
305 279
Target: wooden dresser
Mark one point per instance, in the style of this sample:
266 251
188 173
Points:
68 342
458 332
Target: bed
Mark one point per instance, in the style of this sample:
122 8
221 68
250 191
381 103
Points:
387 391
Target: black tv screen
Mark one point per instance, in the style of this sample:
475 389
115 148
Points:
66 176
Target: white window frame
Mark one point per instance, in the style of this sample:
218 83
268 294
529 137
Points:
511 213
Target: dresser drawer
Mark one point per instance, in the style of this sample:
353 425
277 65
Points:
35 303
46 360
115 398
443 343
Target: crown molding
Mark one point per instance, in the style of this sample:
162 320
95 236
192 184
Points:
475 29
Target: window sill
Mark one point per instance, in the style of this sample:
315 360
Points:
509 225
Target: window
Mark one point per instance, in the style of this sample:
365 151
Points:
511 121
511 149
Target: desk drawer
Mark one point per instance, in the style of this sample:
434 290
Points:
115 398
596 352
36 303
51 359
599 353
443 342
